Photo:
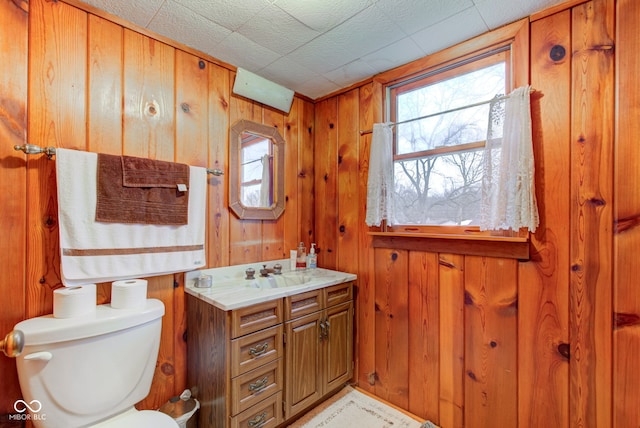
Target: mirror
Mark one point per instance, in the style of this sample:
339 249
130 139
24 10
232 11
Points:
256 169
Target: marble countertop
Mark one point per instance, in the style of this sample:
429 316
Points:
230 290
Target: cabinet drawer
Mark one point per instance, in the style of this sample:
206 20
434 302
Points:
255 349
303 304
339 293
266 414
255 317
252 387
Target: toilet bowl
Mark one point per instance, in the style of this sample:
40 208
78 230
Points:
90 371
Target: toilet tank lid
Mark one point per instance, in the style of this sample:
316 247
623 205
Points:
47 329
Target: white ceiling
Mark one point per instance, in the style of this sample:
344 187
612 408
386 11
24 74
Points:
317 47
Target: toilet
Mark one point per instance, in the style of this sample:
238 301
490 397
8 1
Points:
90 371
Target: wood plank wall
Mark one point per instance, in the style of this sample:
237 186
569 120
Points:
88 81
485 341
462 340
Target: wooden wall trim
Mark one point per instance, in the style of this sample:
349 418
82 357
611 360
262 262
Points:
489 248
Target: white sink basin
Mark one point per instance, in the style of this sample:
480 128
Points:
287 279
230 290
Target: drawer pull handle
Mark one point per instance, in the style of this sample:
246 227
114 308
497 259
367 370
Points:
258 421
259 385
259 350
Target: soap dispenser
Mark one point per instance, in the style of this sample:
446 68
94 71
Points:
301 257
312 258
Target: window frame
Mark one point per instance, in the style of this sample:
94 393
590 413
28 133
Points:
513 38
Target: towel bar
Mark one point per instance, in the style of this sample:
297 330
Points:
32 149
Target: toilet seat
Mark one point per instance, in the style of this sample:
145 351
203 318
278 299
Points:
140 419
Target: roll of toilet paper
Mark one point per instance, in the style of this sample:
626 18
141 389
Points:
72 302
129 294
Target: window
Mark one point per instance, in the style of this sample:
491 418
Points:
441 126
255 161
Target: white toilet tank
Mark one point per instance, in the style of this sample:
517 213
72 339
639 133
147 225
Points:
85 370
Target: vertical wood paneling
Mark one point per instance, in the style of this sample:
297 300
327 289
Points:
13 131
245 236
543 323
591 213
273 230
370 112
392 326
191 141
94 85
451 289
57 117
104 127
191 109
305 177
424 335
149 98
325 161
292 164
626 305
347 182
218 143
491 301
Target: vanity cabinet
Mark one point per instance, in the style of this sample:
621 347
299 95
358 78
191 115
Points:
235 363
257 366
319 345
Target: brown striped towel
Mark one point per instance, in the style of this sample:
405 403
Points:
143 191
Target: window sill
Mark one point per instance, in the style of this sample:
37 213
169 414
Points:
514 247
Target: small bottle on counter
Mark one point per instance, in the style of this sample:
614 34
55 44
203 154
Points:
301 257
312 258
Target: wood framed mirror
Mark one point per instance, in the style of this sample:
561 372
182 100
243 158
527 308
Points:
256 171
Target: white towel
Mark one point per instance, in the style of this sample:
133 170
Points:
91 251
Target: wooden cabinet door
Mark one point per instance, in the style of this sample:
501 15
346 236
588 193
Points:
303 384
338 346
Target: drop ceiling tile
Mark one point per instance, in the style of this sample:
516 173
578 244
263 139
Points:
453 30
497 13
182 24
532 6
350 73
399 53
348 41
237 50
317 87
278 38
230 14
287 73
414 15
322 15
139 12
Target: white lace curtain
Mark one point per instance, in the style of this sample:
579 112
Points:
508 188
380 189
265 184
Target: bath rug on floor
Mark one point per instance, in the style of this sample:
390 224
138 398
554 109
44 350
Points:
350 407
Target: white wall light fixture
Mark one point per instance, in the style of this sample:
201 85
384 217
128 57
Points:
264 91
